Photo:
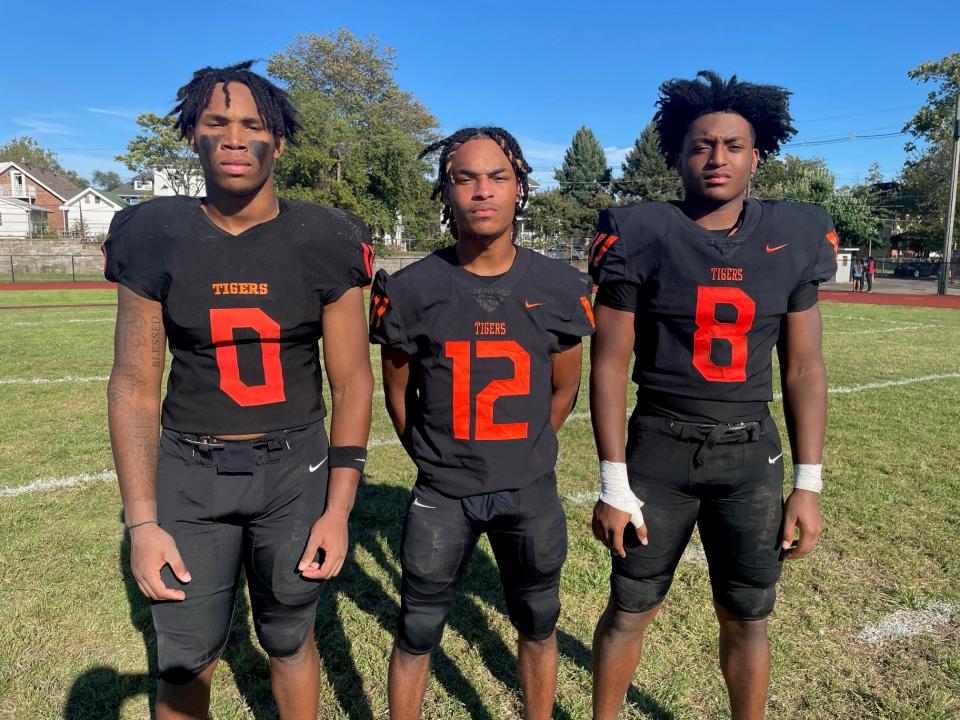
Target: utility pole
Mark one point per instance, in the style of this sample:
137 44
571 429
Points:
951 204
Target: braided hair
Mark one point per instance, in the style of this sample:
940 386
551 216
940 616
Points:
448 147
764 107
273 104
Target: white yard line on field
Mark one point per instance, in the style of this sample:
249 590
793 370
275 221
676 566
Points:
64 322
57 483
904 623
900 328
891 383
49 381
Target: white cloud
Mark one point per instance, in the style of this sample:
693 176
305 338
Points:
124 113
43 124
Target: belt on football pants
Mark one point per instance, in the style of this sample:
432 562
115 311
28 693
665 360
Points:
708 434
241 456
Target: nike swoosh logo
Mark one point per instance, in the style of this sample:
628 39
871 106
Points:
529 305
314 468
778 247
773 460
416 501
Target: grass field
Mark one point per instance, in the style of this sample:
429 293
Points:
867 627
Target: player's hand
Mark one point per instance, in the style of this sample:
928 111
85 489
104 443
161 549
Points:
609 524
329 535
152 547
802 512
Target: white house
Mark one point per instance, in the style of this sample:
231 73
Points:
91 211
19 218
162 186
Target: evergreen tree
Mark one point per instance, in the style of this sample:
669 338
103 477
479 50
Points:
584 171
646 175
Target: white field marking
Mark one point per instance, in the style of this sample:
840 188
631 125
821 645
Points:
891 383
904 623
899 328
64 322
583 497
57 483
50 381
872 320
694 554
85 478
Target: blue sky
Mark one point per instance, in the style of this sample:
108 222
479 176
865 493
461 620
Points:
77 74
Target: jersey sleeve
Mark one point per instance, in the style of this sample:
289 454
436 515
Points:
824 265
386 321
131 255
573 318
354 255
608 257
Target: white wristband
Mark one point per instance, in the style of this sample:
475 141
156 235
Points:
615 490
808 477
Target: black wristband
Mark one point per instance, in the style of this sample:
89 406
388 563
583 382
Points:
348 456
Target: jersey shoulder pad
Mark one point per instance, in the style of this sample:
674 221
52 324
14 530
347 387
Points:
340 246
387 309
567 300
136 247
624 247
814 230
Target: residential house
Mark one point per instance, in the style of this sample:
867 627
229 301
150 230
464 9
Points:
139 188
42 188
21 219
89 212
162 187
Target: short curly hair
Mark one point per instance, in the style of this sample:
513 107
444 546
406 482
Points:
764 107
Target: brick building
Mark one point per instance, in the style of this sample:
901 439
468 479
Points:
42 188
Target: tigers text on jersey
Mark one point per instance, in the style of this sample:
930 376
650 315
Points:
481 364
242 313
706 320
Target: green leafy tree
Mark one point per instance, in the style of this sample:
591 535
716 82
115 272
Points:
362 132
645 174
105 180
158 146
27 150
925 178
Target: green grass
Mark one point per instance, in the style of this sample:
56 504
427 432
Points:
76 638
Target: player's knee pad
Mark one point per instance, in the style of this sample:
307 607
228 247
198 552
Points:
747 603
636 596
282 634
178 666
534 612
420 625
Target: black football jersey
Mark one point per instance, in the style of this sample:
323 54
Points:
707 318
242 313
481 363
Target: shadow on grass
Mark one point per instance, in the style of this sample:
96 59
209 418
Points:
376 521
376 524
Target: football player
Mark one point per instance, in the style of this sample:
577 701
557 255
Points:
481 349
241 285
700 291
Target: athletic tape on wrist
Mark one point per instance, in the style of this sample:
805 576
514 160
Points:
348 456
808 477
615 490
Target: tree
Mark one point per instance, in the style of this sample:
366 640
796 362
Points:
585 180
27 150
584 171
361 135
646 175
925 178
159 147
105 180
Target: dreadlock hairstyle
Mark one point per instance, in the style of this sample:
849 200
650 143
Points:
273 104
448 147
764 107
